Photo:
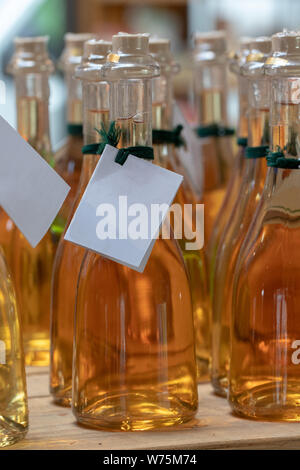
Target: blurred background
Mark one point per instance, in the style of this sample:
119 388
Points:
176 19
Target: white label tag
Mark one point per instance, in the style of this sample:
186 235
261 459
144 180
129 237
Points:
31 192
190 155
118 215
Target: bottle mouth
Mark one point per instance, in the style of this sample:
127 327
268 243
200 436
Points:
31 56
285 56
210 46
94 57
73 51
237 59
260 50
160 49
130 58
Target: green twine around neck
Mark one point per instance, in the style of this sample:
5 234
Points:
278 160
214 130
139 151
259 151
164 136
75 130
110 137
242 141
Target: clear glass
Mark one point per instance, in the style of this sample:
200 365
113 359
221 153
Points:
69 256
234 184
264 373
68 159
217 153
32 267
234 234
13 396
134 351
167 157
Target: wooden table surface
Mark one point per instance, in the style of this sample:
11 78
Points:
54 427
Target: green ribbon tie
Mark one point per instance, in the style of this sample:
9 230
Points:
164 136
257 152
214 130
110 137
278 160
139 151
75 129
242 141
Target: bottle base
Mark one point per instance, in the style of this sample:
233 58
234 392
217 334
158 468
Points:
141 415
203 369
10 432
220 386
258 404
37 353
61 397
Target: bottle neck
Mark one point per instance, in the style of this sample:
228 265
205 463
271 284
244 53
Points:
211 93
285 110
242 130
74 99
131 109
162 102
95 110
258 113
32 96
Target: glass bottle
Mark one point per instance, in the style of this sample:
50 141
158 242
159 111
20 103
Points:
253 178
210 91
134 330
233 188
32 267
166 156
264 373
69 256
68 159
13 396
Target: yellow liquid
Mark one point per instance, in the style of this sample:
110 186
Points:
212 105
66 268
265 375
31 268
226 258
165 156
13 398
75 111
134 357
160 115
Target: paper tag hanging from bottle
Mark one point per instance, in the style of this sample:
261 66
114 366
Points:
190 154
31 192
122 209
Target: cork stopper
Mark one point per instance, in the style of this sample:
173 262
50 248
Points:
73 51
160 49
130 58
95 52
285 57
210 46
31 56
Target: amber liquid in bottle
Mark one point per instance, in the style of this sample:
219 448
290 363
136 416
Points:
13 397
66 268
32 267
228 252
216 154
265 384
68 161
165 155
134 357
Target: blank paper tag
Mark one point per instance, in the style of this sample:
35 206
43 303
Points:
31 192
190 155
116 215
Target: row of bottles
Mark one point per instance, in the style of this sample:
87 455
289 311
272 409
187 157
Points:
132 355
